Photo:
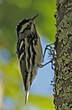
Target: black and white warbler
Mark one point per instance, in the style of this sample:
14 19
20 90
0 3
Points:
29 51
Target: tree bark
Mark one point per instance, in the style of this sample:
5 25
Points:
63 62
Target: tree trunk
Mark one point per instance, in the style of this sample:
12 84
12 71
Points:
63 62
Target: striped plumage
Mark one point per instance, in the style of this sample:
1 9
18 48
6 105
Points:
29 51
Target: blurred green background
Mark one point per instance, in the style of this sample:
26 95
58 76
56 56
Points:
11 85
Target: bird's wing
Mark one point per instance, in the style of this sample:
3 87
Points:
39 53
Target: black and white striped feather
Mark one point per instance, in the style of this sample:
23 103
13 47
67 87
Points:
29 51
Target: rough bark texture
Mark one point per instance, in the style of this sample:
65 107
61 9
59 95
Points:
63 63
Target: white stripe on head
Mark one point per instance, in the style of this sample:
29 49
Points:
23 27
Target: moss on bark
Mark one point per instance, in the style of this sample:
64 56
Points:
63 63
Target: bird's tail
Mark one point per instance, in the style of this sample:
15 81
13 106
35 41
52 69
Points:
26 96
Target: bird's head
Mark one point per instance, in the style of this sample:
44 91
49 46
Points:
26 26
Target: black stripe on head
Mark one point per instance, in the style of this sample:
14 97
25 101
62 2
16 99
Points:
19 26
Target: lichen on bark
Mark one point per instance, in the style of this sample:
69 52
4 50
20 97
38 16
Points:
63 62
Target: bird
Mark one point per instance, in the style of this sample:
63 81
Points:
29 51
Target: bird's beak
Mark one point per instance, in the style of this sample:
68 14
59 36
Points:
35 17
